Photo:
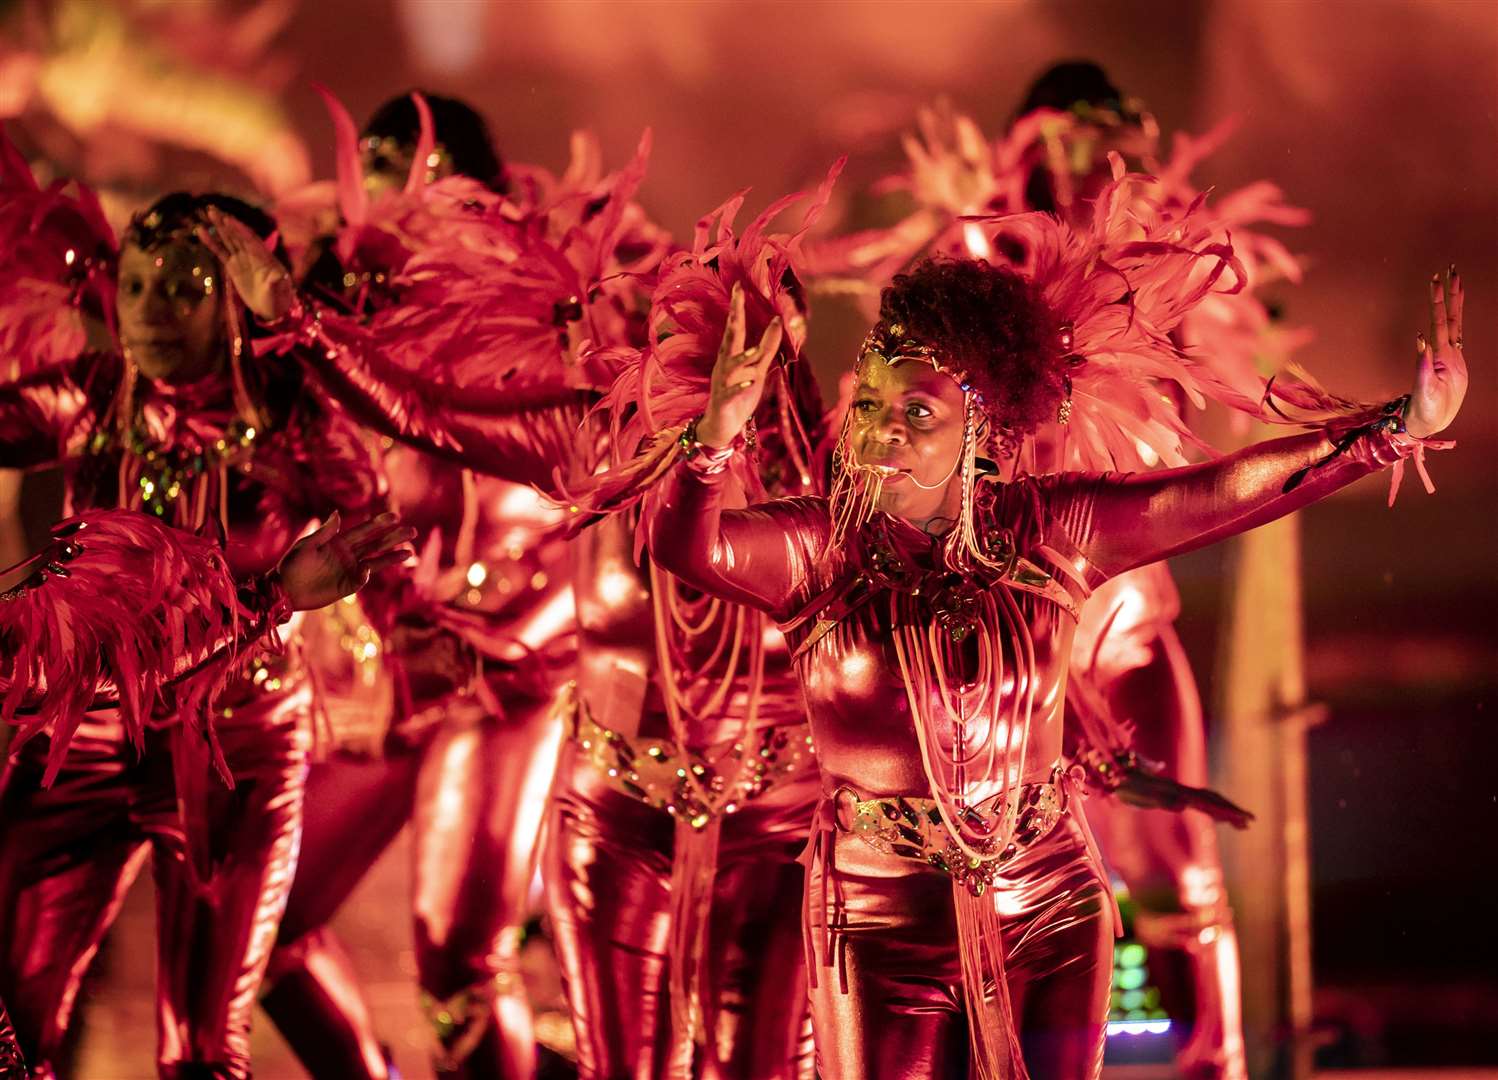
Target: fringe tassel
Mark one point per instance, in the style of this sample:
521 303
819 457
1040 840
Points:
693 872
991 1026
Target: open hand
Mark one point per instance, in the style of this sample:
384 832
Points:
1441 375
329 564
260 279
738 380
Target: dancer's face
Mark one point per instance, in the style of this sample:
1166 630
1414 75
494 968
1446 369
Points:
170 310
907 418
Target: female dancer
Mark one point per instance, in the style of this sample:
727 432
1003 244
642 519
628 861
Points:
1130 692
931 611
186 422
685 787
120 606
477 640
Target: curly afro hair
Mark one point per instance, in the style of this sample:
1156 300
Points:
991 324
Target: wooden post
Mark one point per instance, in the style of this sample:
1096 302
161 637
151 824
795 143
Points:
1261 710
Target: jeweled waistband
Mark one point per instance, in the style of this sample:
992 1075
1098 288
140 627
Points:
912 828
688 784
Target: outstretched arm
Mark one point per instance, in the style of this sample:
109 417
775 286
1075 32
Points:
1140 519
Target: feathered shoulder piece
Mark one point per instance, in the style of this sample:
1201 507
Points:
116 606
664 385
58 271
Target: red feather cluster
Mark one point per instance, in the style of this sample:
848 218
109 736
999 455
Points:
58 270
118 605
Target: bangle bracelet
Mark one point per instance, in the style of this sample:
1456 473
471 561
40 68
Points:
702 458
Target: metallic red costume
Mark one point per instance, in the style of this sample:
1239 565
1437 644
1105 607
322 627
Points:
632 845
468 764
900 950
223 858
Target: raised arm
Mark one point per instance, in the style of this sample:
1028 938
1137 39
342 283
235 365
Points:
519 435
1142 518
758 557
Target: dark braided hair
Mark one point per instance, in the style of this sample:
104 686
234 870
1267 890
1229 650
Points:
990 324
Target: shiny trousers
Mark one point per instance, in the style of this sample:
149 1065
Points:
1171 865
474 791
608 870
891 1004
69 853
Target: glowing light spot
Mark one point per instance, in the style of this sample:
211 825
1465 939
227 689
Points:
478 573
976 243
1131 955
70 256
616 586
856 666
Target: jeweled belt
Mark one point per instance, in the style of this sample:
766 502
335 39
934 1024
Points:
912 828
656 772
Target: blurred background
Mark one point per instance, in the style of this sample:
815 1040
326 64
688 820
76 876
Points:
1378 116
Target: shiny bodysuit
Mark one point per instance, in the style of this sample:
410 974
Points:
472 781
223 859
887 995
1126 645
614 856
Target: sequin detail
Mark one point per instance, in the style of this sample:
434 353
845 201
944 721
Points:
912 828
655 771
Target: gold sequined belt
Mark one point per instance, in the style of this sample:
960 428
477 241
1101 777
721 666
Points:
913 828
693 786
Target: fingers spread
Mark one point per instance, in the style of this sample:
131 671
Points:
769 341
1454 306
390 558
733 333
1437 313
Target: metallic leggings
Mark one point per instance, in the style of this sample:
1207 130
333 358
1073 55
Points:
475 795
608 870
1171 865
69 853
891 1005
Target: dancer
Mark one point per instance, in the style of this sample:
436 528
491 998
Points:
931 611
478 640
1055 159
685 787
116 592
186 421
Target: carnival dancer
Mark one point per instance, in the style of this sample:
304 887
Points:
120 610
1132 699
188 422
685 786
931 608
477 640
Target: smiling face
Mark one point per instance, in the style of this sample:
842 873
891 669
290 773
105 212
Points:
171 310
907 421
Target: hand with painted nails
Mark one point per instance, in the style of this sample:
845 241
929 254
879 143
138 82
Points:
331 563
260 279
738 379
1441 375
